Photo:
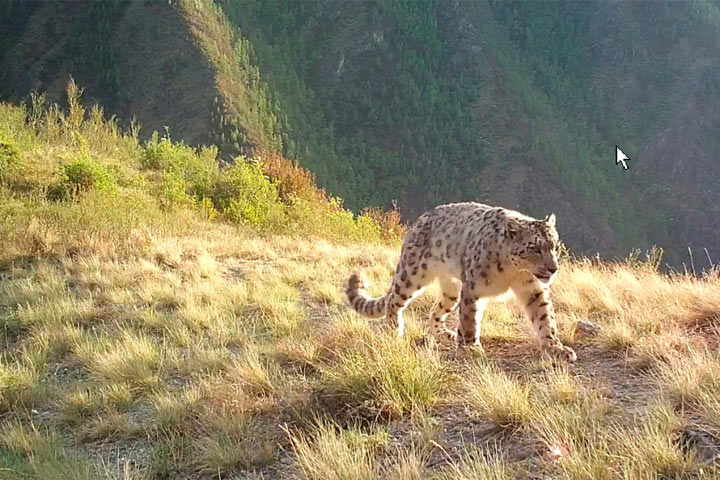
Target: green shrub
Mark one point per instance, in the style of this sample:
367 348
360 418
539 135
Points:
246 195
82 158
82 176
188 175
329 219
208 208
174 188
159 153
9 157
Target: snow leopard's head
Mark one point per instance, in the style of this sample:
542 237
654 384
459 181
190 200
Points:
535 245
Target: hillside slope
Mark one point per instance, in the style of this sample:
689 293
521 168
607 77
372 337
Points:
154 325
135 58
517 104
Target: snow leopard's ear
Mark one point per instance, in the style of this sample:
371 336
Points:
512 228
550 220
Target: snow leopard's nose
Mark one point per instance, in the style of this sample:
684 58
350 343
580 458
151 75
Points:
552 270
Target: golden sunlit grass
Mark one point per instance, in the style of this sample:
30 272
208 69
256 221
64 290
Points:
175 411
21 386
330 452
692 384
30 452
204 352
504 400
132 358
488 464
257 373
635 448
386 375
238 442
144 341
110 426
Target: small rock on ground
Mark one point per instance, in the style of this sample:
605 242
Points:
586 328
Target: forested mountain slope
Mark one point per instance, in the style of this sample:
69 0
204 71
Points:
513 103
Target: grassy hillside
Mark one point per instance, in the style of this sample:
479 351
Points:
516 103
416 102
155 325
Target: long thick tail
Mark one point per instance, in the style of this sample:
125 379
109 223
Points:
361 302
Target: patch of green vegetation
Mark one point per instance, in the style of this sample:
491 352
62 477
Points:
381 99
95 56
243 114
30 453
372 124
102 178
9 157
82 176
415 102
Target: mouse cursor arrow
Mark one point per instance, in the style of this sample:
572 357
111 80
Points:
620 157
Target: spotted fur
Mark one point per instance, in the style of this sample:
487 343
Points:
476 252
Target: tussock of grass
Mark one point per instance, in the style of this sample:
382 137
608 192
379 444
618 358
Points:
326 293
571 425
174 412
171 454
202 359
78 405
284 319
653 352
478 464
302 354
246 446
257 373
348 332
494 394
331 452
643 447
652 447
28 452
117 396
387 376
21 386
407 466
692 382
618 336
110 426
134 359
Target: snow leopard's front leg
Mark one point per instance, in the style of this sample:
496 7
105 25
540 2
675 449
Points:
472 307
535 298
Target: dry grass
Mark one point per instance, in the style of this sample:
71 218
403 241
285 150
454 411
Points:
504 400
195 349
486 465
332 452
221 453
385 376
203 349
32 452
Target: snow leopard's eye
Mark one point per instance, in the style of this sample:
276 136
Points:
535 249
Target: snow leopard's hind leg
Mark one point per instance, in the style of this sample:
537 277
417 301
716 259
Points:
448 301
411 277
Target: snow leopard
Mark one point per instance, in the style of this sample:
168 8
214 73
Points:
475 252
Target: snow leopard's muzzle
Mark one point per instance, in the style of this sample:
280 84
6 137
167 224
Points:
546 275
